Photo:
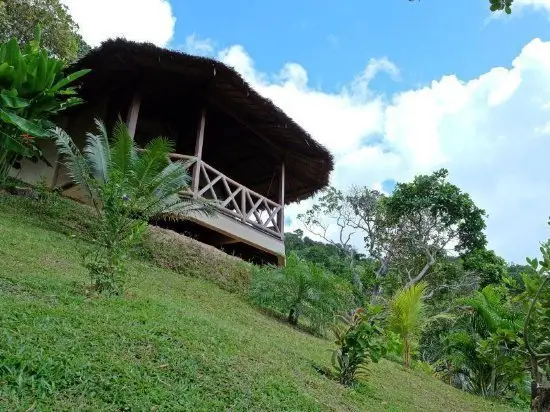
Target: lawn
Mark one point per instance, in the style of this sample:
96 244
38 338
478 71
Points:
173 343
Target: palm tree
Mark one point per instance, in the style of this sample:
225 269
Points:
128 187
485 344
407 316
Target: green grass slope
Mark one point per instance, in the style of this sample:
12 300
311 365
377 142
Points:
174 343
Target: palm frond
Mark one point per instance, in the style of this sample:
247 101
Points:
98 152
76 164
123 149
408 310
173 179
151 161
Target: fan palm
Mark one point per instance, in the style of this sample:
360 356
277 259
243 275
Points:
149 183
127 186
407 316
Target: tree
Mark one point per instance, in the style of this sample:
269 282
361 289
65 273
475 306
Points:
404 233
18 18
432 217
489 267
537 328
407 316
127 188
334 208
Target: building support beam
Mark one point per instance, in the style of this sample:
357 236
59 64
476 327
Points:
133 113
281 217
198 153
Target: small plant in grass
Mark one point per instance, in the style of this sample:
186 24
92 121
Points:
359 341
127 187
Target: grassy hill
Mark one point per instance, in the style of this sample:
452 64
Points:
173 343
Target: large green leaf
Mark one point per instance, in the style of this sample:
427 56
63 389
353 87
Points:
12 102
22 124
6 73
69 79
11 144
13 54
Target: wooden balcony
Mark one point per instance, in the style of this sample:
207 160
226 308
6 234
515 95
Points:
243 214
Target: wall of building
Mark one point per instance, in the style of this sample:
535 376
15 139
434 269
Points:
76 126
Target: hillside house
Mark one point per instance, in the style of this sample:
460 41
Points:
246 154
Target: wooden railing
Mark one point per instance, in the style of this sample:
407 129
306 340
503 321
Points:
234 199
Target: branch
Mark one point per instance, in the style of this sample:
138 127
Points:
427 266
451 287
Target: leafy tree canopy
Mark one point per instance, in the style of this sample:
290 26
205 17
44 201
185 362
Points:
19 18
431 204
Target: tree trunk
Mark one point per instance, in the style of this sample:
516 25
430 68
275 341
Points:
293 317
540 397
491 390
407 353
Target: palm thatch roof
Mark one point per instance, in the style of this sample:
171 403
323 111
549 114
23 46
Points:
186 83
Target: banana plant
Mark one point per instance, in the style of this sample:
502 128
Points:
33 89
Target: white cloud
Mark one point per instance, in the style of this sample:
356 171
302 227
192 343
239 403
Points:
138 20
195 45
491 132
537 4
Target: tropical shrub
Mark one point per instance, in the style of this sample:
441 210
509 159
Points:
484 349
537 327
127 187
301 289
33 89
407 314
359 340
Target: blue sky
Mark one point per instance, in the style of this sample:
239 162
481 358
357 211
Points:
426 39
393 88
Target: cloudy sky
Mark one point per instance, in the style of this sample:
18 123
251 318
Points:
393 88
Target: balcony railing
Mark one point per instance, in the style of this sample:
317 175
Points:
234 199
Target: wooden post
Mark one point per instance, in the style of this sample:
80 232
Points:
281 219
133 113
198 153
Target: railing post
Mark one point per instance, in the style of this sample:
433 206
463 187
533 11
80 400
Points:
281 217
198 154
243 203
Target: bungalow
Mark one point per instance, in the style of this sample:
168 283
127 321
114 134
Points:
245 153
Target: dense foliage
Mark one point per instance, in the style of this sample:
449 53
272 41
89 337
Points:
33 89
458 310
301 289
60 38
127 187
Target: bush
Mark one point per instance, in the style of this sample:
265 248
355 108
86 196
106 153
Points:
301 290
359 340
33 89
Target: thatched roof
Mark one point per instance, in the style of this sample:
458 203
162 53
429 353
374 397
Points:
145 66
